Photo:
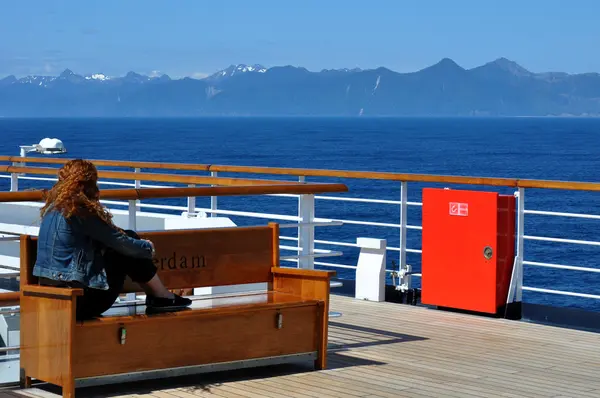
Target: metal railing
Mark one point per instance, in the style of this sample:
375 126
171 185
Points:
306 251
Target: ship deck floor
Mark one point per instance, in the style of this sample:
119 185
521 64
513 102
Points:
391 350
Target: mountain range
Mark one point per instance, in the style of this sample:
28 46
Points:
498 88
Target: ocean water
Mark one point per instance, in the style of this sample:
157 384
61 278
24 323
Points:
537 148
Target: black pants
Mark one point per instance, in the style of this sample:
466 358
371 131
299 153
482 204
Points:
95 301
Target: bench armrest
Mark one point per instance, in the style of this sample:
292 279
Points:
309 284
306 283
61 293
48 319
307 273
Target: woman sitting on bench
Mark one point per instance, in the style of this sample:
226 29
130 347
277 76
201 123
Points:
80 247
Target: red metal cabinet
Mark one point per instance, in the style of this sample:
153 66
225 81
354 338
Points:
468 249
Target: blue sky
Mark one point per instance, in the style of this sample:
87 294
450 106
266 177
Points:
199 37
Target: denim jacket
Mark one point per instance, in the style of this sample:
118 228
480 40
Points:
70 249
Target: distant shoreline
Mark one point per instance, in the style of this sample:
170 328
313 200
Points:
300 117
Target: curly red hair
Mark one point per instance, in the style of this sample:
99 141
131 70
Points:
76 193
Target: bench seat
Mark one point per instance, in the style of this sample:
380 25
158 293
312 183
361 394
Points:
201 305
288 320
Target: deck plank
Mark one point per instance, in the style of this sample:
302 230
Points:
388 350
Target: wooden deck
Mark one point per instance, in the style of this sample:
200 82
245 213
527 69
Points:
391 350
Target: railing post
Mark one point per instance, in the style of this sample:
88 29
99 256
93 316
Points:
306 233
14 181
520 243
132 215
14 177
300 179
191 203
132 223
515 289
138 185
404 271
213 199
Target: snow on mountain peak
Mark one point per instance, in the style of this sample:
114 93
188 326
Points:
251 68
97 76
233 69
237 69
37 80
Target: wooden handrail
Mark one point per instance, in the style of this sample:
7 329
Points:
177 178
9 299
151 193
113 163
430 178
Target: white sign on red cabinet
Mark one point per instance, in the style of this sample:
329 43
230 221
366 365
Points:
459 209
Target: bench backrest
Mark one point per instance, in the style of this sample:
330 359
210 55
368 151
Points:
197 258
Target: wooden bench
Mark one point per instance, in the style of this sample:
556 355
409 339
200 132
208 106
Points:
287 321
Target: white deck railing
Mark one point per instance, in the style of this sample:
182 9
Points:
305 221
306 251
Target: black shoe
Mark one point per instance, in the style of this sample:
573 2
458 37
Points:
167 304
